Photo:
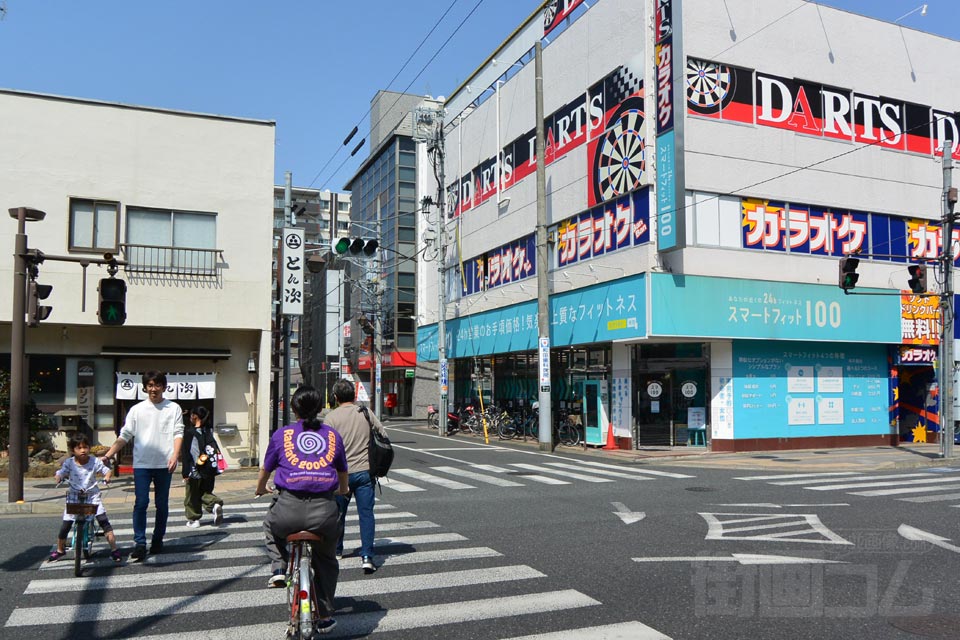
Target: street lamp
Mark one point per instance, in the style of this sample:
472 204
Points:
18 395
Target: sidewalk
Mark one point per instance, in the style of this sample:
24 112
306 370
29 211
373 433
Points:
237 485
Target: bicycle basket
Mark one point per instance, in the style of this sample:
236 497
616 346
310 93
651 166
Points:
81 508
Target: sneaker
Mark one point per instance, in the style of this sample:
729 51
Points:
277 580
367 563
217 513
325 626
193 524
138 554
157 547
115 556
339 557
56 555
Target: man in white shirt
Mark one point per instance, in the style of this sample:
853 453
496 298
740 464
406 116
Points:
156 427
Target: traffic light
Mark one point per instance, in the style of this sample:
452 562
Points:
355 246
35 311
113 302
918 278
848 273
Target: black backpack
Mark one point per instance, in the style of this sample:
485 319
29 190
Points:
379 451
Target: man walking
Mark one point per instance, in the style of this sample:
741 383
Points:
351 422
156 427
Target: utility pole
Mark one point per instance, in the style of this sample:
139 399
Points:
543 293
946 303
288 183
378 321
442 278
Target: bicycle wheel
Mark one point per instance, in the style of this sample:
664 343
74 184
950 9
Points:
433 419
90 534
568 434
79 543
507 429
308 608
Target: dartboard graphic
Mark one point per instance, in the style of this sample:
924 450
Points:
620 157
549 13
709 86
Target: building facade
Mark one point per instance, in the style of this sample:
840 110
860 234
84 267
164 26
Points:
386 200
707 167
180 197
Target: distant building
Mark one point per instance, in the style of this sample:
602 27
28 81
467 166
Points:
385 196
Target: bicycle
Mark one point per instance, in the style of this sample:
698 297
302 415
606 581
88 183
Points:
301 596
85 527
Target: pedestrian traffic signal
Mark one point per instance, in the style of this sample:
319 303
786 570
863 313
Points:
918 278
848 273
35 311
113 302
355 246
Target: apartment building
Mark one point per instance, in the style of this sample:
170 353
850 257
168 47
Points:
182 199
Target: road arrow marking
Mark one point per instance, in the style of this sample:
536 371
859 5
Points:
912 533
742 558
629 517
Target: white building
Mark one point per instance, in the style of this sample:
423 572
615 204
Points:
186 200
694 252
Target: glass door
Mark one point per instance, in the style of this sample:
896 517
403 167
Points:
653 409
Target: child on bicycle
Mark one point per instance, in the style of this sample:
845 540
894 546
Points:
81 472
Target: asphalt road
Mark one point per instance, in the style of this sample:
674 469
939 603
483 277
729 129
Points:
505 544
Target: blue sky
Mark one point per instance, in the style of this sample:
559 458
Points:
310 65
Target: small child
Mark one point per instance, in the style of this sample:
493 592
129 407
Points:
80 472
199 454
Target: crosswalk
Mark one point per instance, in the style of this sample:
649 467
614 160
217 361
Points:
935 485
515 475
210 583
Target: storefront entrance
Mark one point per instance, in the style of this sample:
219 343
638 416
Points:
669 395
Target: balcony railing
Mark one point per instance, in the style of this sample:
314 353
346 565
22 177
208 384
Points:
172 261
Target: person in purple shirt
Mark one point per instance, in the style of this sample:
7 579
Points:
311 468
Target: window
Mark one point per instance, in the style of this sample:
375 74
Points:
343 206
93 225
162 238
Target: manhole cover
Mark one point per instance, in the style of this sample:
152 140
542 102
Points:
790 460
939 626
821 453
764 457
699 489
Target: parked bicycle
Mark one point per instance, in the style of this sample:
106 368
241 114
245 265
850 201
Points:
433 416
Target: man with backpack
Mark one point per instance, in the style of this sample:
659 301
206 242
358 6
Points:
354 423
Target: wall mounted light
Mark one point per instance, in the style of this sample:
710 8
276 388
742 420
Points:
252 362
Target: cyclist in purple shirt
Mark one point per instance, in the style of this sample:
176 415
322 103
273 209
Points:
311 468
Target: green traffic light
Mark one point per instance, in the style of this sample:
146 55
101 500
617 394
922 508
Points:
342 246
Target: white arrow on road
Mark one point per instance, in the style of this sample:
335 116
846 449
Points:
629 517
912 533
742 558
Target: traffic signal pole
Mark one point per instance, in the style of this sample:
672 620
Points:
946 304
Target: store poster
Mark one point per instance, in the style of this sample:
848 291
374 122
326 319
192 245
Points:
791 390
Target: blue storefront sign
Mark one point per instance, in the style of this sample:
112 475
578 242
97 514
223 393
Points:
609 311
706 307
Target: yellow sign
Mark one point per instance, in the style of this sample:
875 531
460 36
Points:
919 319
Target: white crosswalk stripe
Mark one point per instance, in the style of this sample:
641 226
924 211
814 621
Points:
896 486
563 474
227 567
519 475
479 477
432 479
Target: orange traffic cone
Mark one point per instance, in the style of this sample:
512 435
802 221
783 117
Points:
611 441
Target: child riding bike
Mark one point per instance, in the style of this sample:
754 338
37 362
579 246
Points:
81 472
